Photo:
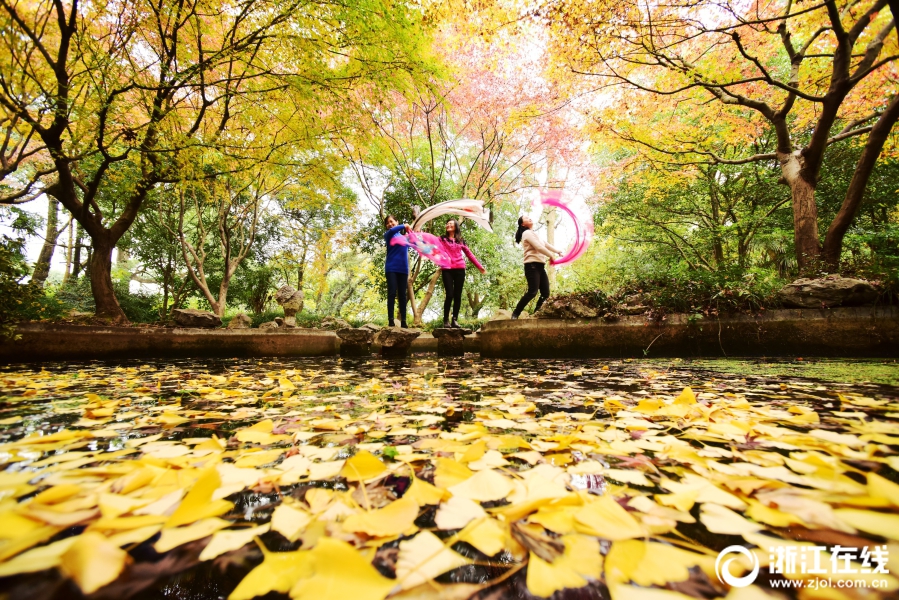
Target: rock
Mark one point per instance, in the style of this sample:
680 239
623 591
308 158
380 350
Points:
291 301
268 325
396 341
633 310
451 342
334 324
372 327
828 292
355 341
240 321
566 307
279 321
501 315
188 317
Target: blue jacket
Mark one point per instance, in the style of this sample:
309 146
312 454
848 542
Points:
398 255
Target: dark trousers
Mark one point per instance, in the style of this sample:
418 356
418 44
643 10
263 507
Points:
453 281
538 280
396 290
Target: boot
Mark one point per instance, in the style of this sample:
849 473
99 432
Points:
446 324
514 317
391 323
403 325
455 324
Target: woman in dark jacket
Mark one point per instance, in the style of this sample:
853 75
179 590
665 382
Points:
396 267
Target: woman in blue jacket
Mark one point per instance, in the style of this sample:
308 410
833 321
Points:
397 269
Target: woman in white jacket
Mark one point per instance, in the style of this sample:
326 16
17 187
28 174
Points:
535 251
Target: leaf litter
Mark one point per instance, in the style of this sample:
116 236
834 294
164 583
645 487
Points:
432 479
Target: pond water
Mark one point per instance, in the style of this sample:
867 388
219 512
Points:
750 449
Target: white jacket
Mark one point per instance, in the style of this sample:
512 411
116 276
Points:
535 249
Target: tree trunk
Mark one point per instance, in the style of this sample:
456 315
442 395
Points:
418 309
833 241
71 228
76 261
42 266
805 211
101 282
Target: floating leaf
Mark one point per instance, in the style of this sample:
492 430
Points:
423 558
93 561
338 571
232 539
394 519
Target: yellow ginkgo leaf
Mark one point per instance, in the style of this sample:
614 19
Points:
38 559
394 519
198 503
484 486
683 501
880 487
720 519
449 473
771 516
580 560
486 535
232 539
93 561
458 512
176 536
134 536
686 397
278 572
423 558
290 521
363 466
13 525
424 493
257 459
474 452
57 493
339 571
606 518
651 563
869 521
113 505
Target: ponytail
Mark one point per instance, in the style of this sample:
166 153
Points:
521 230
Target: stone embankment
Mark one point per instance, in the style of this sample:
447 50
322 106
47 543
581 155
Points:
838 332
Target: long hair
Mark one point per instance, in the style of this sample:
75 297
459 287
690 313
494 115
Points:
521 230
456 232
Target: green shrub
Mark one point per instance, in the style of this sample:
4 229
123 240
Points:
706 292
14 295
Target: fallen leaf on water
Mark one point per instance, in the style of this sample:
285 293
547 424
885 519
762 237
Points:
606 518
336 570
423 558
198 503
93 561
457 512
173 537
232 539
484 486
290 521
278 572
363 466
394 519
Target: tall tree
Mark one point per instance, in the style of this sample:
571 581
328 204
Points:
96 96
814 74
